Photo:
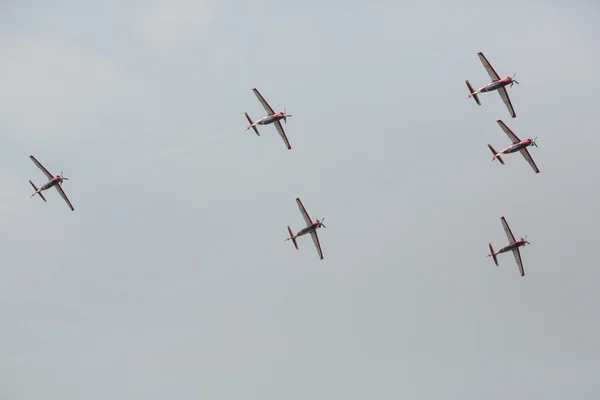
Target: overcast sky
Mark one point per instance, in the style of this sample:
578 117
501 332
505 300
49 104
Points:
172 280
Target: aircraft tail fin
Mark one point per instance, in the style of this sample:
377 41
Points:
474 96
496 155
36 189
292 238
493 255
251 124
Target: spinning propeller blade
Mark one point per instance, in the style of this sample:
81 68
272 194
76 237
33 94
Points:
533 143
285 115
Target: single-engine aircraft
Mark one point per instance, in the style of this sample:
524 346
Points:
271 118
512 246
311 227
497 84
54 181
517 145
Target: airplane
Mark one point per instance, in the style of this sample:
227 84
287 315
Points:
311 227
271 118
54 181
513 246
496 84
517 145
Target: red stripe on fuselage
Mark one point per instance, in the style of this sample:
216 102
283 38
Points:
270 119
50 183
517 146
511 247
496 85
308 229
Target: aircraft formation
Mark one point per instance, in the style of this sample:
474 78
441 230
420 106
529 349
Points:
517 145
499 84
275 118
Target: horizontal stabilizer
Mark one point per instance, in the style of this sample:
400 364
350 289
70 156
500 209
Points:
493 255
36 189
292 238
496 155
251 124
474 96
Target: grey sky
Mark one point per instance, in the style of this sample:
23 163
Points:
171 279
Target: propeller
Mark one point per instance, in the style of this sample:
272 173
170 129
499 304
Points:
513 80
62 177
285 115
525 240
533 143
321 222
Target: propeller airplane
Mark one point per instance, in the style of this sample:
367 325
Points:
271 118
54 181
512 246
517 145
311 227
496 84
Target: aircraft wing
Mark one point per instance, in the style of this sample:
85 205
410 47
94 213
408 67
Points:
517 255
315 239
40 166
509 235
508 132
527 157
279 128
264 103
504 94
64 196
488 67
304 213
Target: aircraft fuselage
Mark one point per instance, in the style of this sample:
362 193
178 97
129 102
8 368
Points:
517 146
512 246
52 182
496 85
271 118
308 229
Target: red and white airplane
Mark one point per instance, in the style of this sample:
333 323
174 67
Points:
517 145
311 227
54 181
513 246
497 84
271 118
